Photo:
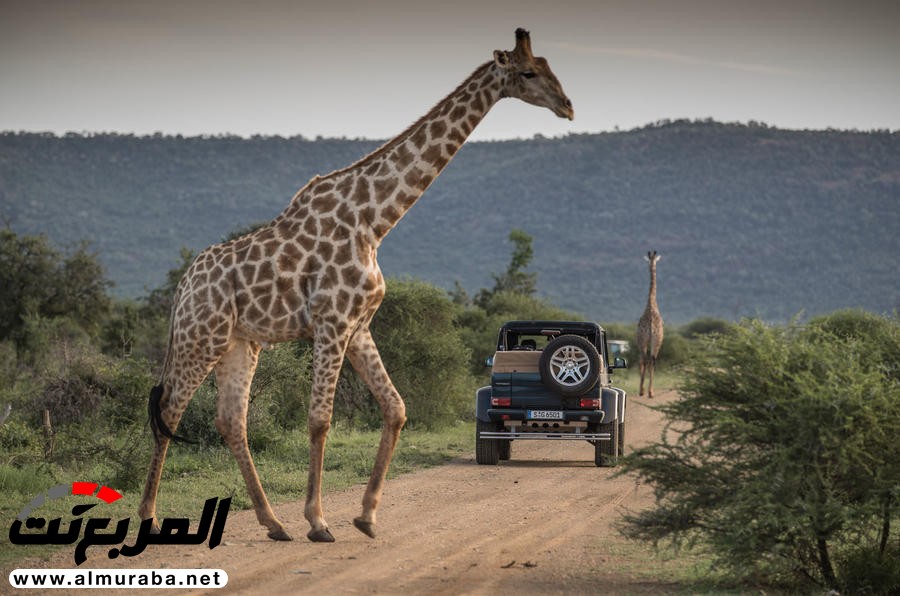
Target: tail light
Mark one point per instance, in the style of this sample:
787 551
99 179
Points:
587 402
502 402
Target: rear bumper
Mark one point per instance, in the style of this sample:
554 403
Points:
545 436
521 414
573 426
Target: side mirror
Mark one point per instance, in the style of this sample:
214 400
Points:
489 361
620 362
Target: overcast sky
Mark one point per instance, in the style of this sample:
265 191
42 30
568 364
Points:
358 68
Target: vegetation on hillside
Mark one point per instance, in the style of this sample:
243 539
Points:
753 221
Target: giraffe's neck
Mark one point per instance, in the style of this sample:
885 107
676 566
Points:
651 297
382 186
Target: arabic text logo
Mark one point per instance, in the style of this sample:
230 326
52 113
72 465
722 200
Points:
171 531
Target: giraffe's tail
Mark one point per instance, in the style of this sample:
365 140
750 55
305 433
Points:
159 427
157 424
154 412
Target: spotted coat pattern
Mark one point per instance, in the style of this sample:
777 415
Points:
649 330
313 273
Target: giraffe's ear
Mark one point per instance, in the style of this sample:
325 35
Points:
501 58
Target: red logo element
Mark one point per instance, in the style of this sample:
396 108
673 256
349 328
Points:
106 494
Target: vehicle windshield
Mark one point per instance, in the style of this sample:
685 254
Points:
527 340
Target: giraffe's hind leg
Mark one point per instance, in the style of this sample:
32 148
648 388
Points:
174 399
147 508
363 355
234 373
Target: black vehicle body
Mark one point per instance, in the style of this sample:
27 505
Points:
550 380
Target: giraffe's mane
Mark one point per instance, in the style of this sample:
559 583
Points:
397 140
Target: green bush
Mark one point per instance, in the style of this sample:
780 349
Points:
8 372
705 326
19 440
880 334
870 571
282 385
128 382
198 423
675 351
510 305
73 396
87 386
48 345
784 453
135 330
424 353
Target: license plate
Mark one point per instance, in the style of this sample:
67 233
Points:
545 415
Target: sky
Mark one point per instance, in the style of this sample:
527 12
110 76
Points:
363 69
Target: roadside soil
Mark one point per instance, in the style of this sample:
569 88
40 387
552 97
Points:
543 522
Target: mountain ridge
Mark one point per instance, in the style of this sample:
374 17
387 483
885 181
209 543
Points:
750 220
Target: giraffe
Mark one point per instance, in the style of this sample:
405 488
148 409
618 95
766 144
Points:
650 330
312 273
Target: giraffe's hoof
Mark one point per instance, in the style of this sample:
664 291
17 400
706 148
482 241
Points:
279 535
367 528
322 535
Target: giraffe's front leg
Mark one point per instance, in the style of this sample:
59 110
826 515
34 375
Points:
328 355
364 357
643 368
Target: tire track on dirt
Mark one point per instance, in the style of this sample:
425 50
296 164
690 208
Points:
452 529
488 530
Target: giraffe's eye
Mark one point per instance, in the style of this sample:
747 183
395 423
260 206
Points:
527 74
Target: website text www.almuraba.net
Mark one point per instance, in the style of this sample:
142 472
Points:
118 578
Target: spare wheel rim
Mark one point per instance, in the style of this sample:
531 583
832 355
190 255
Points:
569 365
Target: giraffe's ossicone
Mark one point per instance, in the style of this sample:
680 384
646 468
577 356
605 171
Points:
313 273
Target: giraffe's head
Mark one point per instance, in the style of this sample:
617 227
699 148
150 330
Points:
652 257
530 79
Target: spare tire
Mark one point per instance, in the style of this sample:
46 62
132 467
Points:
570 365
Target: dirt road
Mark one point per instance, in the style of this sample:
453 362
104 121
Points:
543 522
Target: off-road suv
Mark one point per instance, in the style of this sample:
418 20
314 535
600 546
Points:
550 381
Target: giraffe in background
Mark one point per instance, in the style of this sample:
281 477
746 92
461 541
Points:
650 330
312 273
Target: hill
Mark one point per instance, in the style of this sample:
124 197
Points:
750 220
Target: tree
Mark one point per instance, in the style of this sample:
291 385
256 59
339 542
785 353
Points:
779 454
882 353
515 280
81 292
26 264
36 280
